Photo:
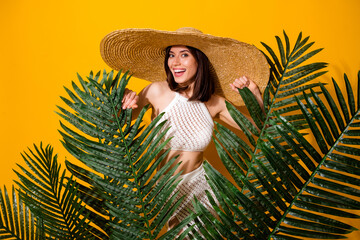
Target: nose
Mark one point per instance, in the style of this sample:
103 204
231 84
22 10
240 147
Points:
176 60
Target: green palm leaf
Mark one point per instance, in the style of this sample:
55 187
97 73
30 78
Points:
288 183
287 77
51 198
319 192
134 198
16 220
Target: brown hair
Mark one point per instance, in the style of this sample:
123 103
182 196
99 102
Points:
204 85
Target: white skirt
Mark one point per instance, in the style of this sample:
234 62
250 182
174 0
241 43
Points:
192 184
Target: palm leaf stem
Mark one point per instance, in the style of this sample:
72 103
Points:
271 106
268 115
128 155
314 173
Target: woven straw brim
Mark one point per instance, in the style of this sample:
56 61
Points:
142 52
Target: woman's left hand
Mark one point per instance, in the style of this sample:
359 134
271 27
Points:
244 82
253 87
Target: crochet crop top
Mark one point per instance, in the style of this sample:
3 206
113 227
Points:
190 122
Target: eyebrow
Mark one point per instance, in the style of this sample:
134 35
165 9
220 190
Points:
185 50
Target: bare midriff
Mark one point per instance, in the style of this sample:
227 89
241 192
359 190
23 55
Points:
189 160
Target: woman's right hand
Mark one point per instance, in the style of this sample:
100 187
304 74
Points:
130 99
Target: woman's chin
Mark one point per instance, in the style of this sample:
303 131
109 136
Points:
183 81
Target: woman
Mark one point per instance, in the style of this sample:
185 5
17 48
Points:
193 94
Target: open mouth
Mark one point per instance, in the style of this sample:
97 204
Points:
179 72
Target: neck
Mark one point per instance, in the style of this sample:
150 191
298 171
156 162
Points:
188 92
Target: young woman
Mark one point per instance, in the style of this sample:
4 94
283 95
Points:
191 94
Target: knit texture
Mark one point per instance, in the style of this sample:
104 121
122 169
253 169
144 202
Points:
192 184
190 122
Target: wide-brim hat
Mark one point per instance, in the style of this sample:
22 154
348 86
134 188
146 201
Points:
142 52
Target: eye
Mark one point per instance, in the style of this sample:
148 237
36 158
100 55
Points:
184 55
171 55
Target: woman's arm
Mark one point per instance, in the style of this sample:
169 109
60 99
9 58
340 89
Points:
222 112
157 94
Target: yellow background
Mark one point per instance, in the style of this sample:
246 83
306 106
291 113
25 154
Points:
44 43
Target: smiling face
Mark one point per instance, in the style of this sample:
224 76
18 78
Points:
182 65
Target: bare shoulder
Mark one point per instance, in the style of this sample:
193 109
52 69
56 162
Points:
215 105
158 88
159 95
153 90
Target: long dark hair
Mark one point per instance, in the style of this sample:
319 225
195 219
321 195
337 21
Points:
204 85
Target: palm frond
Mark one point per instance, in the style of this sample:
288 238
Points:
288 79
50 197
16 220
289 182
123 156
328 183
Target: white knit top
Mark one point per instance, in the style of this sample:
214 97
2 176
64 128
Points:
190 122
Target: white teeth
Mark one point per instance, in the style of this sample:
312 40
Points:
179 70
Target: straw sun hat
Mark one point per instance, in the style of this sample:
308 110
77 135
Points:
142 52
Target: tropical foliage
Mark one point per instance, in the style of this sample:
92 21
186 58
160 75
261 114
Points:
16 220
51 198
283 183
124 185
